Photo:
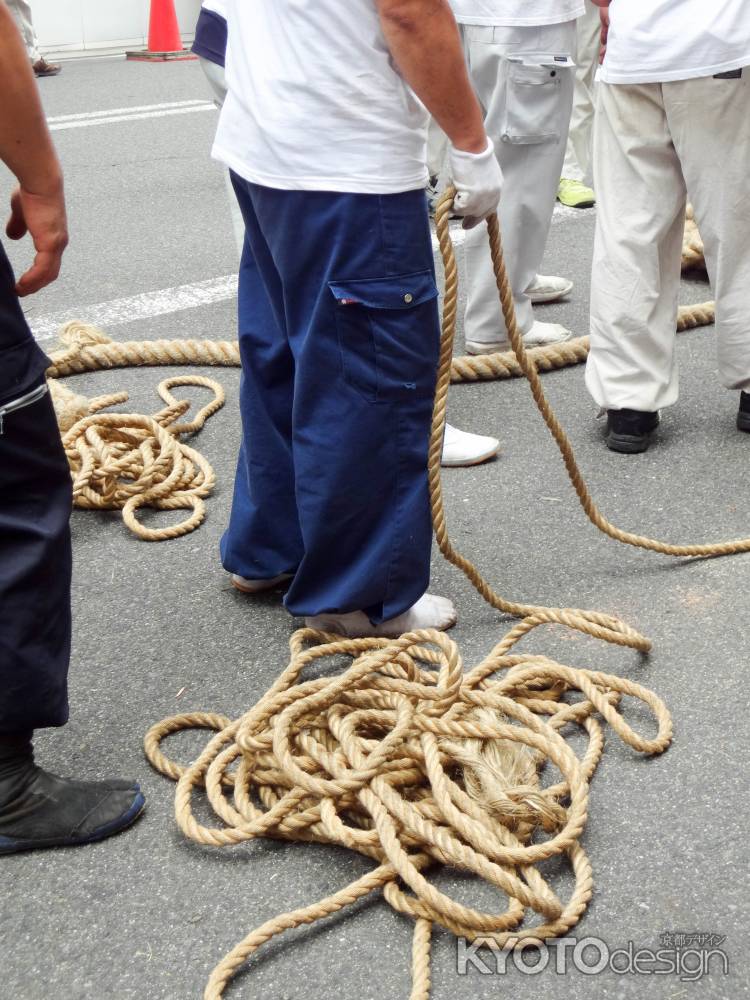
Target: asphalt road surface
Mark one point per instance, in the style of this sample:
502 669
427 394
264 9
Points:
158 628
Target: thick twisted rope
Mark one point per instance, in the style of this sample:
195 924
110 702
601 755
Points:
89 350
408 760
126 461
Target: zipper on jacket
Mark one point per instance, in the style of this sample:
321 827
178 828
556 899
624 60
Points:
26 400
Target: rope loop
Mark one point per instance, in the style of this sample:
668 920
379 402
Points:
361 758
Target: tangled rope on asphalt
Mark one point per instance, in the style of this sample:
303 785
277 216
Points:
126 461
408 760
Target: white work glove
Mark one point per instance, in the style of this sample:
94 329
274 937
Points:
478 180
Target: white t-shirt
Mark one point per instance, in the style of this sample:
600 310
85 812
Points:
509 13
655 41
315 102
217 6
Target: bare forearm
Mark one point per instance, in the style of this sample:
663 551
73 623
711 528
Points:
25 143
423 38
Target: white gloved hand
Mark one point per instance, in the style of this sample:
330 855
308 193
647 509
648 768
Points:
478 180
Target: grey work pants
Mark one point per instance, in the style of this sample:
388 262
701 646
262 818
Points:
527 100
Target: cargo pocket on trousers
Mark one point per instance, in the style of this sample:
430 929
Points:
533 103
388 333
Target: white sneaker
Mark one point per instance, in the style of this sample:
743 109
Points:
539 335
461 448
428 612
542 334
548 288
257 586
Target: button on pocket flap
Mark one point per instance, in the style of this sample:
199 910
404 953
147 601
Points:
401 291
525 74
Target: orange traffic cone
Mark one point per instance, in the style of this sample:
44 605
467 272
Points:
164 40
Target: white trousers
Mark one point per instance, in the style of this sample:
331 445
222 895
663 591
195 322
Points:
527 113
652 143
21 11
578 154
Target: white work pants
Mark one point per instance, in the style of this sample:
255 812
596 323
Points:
578 154
652 143
527 113
21 11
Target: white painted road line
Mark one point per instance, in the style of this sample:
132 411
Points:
135 116
63 126
138 307
106 112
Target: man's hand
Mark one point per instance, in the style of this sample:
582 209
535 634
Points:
479 181
37 206
604 15
43 218
603 6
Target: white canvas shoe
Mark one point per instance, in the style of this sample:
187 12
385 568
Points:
461 448
542 334
548 288
258 586
429 612
539 335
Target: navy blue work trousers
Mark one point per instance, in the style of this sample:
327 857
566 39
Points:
35 551
339 336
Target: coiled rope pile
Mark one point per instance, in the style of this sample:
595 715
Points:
125 461
408 760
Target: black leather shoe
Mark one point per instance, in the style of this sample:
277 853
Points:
629 431
743 414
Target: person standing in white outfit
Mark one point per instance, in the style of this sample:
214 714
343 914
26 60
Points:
520 56
21 11
673 114
573 190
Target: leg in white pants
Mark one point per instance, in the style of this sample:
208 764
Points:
636 265
527 112
648 140
709 121
21 11
578 152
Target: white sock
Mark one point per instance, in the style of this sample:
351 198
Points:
429 612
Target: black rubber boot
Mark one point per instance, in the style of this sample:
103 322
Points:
743 414
629 431
39 809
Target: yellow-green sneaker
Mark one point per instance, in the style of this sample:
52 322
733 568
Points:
575 194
